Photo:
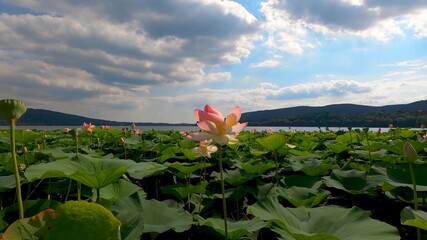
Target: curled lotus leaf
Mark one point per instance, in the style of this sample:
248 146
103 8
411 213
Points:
12 108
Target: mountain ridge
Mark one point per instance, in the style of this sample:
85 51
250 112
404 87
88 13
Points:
332 108
407 115
328 115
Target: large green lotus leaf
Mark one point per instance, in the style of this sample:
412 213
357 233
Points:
236 230
322 223
188 168
190 154
373 155
397 146
145 169
354 181
94 173
255 166
234 177
310 165
99 178
119 189
338 147
347 137
182 191
7 183
187 144
257 152
303 197
139 215
25 136
57 153
84 220
59 168
407 133
410 217
399 176
303 180
272 142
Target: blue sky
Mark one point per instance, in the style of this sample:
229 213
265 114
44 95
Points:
156 61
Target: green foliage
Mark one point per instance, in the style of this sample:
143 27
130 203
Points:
410 217
272 183
329 222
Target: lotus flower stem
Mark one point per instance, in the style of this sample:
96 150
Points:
16 169
414 184
224 202
277 167
98 195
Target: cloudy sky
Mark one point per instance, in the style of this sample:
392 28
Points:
156 61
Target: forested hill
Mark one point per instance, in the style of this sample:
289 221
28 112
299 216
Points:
51 118
337 115
342 115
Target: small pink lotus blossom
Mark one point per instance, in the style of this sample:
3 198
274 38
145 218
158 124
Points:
88 127
121 140
105 126
183 133
215 127
253 130
390 125
270 131
425 136
205 149
67 129
136 131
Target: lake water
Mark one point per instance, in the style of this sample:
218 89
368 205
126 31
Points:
195 128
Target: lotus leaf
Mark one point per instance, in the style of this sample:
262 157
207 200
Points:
328 222
414 218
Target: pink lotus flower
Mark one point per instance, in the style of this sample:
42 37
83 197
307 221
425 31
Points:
136 131
390 125
88 127
215 127
121 140
205 149
67 129
105 126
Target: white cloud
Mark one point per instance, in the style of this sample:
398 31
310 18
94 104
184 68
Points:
292 24
269 63
112 54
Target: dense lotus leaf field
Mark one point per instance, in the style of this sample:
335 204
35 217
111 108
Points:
348 184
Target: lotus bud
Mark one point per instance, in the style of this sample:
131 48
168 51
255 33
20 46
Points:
409 152
12 108
366 129
22 167
133 126
24 149
121 140
75 133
